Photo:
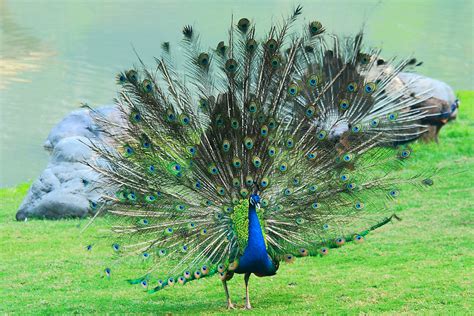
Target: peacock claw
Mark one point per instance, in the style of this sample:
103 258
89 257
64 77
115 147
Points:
230 306
247 306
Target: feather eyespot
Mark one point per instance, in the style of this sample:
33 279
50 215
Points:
283 167
236 162
213 169
293 90
243 25
271 45
347 157
147 86
253 107
116 247
231 66
405 153
248 142
311 156
290 143
352 87
303 252
257 162
370 87
132 76
264 131
226 145
271 151
358 239
244 192
181 280
324 251
264 182
220 191
344 104
310 110
203 60
313 81
315 28
340 241
359 205
315 206
251 45
392 117
287 191
356 128
236 182
289 258
312 188
249 181
322 135
374 123
275 61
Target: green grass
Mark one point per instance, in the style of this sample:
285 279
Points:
422 264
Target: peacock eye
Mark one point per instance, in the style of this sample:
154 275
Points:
392 117
213 169
184 119
315 205
248 142
162 252
251 45
347 157
310 111
344 104
271 151
322 135
249 181
350 186
325 226
169 230
313 81
145 255
290 143
405 153
344 177
312 188
283 167
264 182
257 162
231 66
107 272
275 61
356 128
293 90
359 205
369 87
116 247
236 162
253 107
374 123
324 251
203 104
352 87
394 193
296 181
287 191
226 145
243 25
264 130
311 156
221 191
271 45
315 28
203 60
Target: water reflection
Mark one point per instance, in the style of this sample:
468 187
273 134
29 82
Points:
57 54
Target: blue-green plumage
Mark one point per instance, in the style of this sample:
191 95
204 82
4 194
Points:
255 258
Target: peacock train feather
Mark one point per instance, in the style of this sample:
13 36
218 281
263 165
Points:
262 150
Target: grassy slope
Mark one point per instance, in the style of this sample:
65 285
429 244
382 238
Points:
418 265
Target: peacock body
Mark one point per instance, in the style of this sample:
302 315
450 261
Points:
259 153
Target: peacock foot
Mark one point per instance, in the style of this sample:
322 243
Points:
247 306
230 306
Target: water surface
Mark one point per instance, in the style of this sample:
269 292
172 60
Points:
54 55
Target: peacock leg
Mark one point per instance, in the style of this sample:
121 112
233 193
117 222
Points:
247 298
229 302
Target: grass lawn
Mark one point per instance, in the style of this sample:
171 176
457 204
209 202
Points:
423 264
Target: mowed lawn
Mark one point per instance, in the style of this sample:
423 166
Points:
423 264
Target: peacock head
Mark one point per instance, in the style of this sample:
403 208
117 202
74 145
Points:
255 200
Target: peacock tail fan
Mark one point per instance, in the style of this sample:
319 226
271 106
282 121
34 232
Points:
315 124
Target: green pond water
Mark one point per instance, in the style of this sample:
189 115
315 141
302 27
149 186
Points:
54 55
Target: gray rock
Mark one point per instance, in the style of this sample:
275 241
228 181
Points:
64 189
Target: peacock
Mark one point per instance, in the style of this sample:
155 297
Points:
254 153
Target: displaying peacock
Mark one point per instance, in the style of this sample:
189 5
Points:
258 153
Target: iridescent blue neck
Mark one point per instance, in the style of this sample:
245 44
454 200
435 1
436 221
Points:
255 258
